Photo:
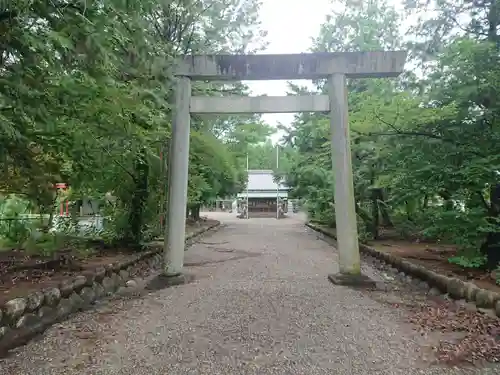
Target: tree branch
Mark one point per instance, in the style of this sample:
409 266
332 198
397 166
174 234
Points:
399 132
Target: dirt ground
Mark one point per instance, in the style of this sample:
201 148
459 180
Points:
21 274
435 257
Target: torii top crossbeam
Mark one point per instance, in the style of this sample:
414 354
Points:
292 66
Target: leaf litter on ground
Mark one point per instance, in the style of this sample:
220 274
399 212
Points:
474 337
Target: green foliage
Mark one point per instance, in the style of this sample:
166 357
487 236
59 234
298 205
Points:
14 228
86 99
426 154
469 261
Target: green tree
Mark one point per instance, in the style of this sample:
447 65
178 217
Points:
86 97
425 152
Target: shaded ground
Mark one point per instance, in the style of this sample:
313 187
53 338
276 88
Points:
21 273
435 257
260 304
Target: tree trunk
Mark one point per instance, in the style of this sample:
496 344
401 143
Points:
386 218
491 247
139 199
425 203
375 213
195 212
408 211
45 227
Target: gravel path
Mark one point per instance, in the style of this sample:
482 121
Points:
260 304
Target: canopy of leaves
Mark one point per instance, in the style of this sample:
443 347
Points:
425 150
86 99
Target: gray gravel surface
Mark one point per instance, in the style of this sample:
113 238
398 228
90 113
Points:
260 304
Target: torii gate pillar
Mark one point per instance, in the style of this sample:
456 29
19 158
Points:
335 67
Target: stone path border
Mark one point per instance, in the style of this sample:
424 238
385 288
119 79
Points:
454 287
23 318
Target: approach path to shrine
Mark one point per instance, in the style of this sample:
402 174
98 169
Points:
260 303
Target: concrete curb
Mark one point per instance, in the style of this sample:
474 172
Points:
23 318
454 287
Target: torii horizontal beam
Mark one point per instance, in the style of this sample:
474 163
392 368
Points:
259 104
292 66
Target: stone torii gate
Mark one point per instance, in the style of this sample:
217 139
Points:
335 67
